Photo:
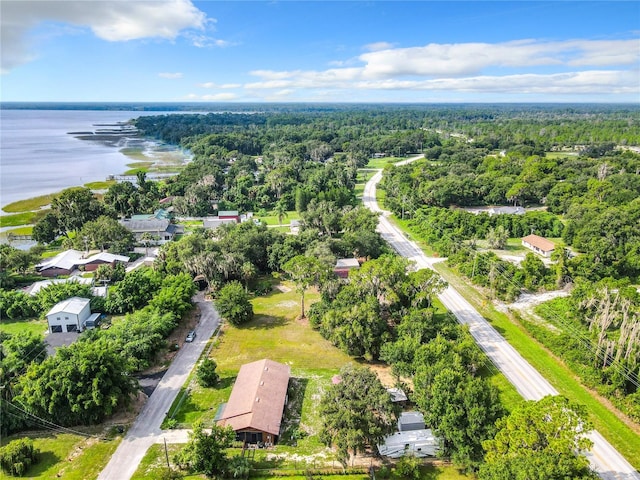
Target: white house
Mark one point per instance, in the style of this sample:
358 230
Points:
539 245
71 315
419 443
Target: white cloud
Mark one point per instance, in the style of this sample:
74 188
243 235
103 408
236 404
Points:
113 21
377 46
219 85
443 60
528 66
170 76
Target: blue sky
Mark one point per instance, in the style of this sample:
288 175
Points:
332 51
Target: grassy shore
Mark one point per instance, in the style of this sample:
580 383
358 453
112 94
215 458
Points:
29 204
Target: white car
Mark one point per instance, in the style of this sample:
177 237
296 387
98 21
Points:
191 336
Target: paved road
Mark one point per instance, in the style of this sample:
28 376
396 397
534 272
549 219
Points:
146 429
604 459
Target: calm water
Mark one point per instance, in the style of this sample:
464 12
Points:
37 156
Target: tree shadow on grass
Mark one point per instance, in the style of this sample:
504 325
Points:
265 322
45 461
290 430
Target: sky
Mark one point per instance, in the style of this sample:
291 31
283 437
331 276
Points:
330 51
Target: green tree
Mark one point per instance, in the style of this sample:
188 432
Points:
46 229
357 412
248 272
206 373
105 233
541 440
497 237
304 272
233 304
74 207
17 352
80 384
206 452
123 198
134 291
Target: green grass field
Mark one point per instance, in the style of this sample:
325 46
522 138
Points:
273 219
382 162
12 327
68 456
100 185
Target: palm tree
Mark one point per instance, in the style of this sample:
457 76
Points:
280 210
247 271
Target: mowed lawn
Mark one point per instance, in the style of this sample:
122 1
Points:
68 456
275 333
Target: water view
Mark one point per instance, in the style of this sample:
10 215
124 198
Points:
38 155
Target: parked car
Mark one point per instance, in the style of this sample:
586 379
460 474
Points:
191 336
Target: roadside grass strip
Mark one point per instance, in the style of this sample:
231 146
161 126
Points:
621 436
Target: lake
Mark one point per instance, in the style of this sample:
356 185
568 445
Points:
38 156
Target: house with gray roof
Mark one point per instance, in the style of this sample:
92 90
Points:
162 230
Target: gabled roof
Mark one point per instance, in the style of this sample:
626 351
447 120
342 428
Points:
105 257
71 305
540 242
258 397
70 259
67 260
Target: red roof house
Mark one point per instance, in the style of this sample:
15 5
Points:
256 405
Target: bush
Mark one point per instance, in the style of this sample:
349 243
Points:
18 456
206 374
409 467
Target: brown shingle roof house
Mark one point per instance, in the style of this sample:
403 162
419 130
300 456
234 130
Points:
257 401
539 245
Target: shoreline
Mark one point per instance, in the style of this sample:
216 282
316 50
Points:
20 216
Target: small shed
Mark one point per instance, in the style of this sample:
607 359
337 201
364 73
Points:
344 266
70 315
229 214
409 421
294 226
539 245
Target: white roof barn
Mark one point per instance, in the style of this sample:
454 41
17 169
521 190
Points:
71 315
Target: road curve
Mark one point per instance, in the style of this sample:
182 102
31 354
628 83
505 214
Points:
604 459
146 429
